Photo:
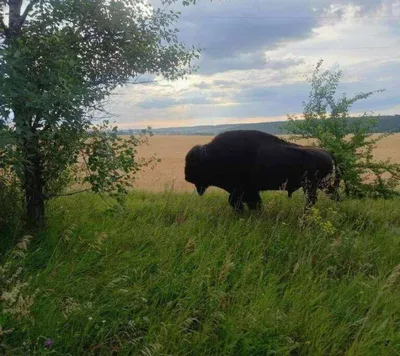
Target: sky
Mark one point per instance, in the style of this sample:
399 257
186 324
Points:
257 54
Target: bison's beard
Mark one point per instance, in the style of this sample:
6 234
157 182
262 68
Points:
200 189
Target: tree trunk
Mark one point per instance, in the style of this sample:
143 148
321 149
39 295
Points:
32 172
34 197
14 19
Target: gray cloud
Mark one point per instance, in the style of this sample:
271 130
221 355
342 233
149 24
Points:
156 103
246 110
254 60
235 37
202 85
235 33
283 63
276 100
239 62
163 103
383 76
221 84
289 93
224 83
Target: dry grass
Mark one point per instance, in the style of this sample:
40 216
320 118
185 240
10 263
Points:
169 173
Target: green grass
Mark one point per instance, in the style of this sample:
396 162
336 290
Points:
176 274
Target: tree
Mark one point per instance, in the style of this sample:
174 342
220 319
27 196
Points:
60 60
327 121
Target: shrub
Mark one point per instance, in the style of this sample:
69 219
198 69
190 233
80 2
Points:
327 120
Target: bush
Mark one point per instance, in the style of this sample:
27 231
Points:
351 141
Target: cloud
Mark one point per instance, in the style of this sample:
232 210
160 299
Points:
224 83
247 61
234 34
257 54
162 103
239 62
287 95
202 85
156 103
283 63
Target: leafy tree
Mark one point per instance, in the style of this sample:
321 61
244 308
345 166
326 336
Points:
326 120
59 61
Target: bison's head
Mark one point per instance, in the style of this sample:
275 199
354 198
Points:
195 168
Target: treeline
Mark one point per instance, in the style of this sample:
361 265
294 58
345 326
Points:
385 124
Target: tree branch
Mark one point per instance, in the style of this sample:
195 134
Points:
3 26
136 83
27 10
14 19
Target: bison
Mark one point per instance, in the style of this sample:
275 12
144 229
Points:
245 162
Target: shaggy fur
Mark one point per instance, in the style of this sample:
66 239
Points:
245 162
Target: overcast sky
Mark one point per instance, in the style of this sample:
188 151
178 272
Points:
257 53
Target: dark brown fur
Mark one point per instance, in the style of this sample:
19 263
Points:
245 162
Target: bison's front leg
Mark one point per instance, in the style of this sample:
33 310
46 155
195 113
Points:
235 200
253 200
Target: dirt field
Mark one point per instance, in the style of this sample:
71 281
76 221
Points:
169 173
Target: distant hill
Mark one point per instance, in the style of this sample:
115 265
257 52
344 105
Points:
385 124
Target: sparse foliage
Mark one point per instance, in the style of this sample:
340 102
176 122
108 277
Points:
326 119
111 161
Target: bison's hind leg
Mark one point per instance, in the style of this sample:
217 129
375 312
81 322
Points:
310 191
236 201
253 199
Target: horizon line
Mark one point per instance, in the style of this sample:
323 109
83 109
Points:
229 124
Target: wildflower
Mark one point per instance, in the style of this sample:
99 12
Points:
48 343
90 318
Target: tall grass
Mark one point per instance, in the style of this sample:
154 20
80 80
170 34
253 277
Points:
176 274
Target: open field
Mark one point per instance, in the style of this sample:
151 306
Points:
172 150
176 274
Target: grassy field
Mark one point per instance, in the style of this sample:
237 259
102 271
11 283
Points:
168 174
176 274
